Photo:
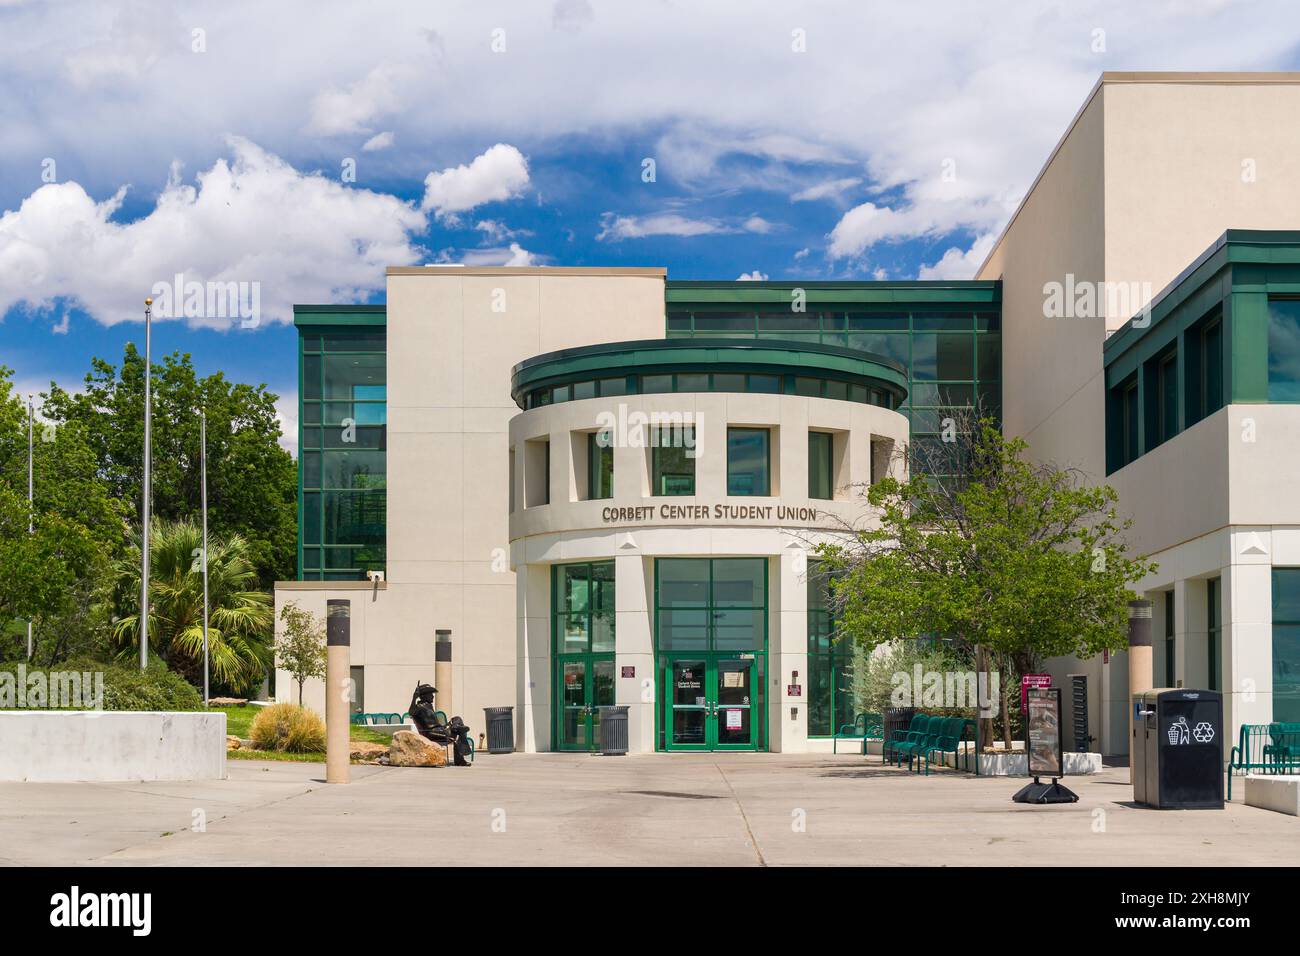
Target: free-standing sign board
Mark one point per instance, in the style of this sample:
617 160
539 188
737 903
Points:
1043 748
1043 740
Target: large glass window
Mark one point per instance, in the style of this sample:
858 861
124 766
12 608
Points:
821 465
749 466
672 461
1286 644
711 604
584 608
1214 628
600 465
341 452
1167 397
830 673
1284 350
1204 369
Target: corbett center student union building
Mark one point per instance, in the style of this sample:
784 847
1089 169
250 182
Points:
600 486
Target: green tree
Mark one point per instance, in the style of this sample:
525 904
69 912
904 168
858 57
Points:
240 617
1014 560
252 481
300 649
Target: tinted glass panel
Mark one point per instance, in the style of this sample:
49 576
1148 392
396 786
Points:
820 465
1284 350
748 461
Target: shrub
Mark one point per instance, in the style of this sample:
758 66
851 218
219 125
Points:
129 688
288 728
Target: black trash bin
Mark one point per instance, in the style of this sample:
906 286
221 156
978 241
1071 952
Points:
896 720
613 731
1178 749
500 729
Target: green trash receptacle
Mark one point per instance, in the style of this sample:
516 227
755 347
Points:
613 731
500 729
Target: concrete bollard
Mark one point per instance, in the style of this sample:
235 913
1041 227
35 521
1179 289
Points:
1139 666
338 665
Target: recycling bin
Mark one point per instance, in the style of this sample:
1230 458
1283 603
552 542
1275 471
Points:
896 720
1178 749
500 729
613 731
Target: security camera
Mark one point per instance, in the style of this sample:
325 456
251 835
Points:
375 576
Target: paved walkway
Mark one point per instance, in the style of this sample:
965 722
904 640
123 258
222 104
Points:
721 809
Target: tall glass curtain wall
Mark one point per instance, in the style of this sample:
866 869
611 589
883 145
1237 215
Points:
953 357
831 701
341 457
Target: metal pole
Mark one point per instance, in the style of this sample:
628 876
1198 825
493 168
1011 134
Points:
144 509
203 471
30 514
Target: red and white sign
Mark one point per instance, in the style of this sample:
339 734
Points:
1043 681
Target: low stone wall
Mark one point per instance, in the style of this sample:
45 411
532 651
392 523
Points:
1280 792
70 745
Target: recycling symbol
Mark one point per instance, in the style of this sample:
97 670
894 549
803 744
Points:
1203 732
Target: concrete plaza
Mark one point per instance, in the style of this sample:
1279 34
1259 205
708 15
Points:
570 809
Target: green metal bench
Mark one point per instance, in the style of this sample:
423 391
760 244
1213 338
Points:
1265 748
951 736
923 729
865 726
920 722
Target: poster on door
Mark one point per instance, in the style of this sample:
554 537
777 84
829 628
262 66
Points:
734 719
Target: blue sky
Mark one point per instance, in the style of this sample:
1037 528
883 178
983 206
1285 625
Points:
302 146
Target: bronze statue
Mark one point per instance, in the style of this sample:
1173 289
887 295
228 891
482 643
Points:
453 733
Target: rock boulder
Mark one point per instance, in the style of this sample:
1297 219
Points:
411 750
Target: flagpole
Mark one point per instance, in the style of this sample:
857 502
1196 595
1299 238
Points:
144 509
30 514
203 471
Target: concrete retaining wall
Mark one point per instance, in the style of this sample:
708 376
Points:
1269 792
51 746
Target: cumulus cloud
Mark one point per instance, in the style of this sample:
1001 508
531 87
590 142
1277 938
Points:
352 109
960 264
252 218
498 174
754 276
511 255
377 142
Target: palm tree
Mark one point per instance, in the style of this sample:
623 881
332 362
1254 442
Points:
241 620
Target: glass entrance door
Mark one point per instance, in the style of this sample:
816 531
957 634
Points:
586 685
713 703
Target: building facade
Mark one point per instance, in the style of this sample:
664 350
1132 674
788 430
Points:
601 486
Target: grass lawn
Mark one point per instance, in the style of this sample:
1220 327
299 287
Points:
239 719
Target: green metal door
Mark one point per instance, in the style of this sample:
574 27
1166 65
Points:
713 702
586 684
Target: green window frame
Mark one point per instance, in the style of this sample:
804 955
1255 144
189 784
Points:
749 462
821 465
342 457
1214 631
672 461
831 701
711 605
1166 405
1286 644
582 608
600 466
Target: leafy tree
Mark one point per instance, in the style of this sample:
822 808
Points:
240 617
252 481
300 650
39 569
1013 560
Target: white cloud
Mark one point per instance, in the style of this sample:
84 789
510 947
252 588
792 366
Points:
61 327
959 264
286 412
830 189
754 276
352 110
615 228
498 174
253 218
377 142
